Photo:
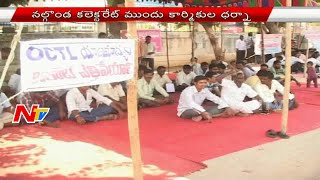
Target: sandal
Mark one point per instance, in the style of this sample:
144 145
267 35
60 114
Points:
282 136
271 133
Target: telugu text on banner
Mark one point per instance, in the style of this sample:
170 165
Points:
50 64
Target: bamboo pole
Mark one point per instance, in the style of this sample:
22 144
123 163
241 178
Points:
285 110
167 44
192 45
167 48
221 35
10 58
306 60
133 121
263 57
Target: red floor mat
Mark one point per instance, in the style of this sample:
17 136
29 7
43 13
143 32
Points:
174 144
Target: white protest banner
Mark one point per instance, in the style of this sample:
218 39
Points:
50 64
272 43
314 38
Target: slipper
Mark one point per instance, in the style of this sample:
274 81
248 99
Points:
271 133
282 136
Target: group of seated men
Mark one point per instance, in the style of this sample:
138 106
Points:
207 91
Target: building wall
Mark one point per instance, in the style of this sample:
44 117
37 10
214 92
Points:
180 44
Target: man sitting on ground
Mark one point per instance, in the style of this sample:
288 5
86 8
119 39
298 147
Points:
204 68
254 80
146 89
46 99
279 57
115 92
279 73
246 71
213 84
80 107
267 90
141 70
6 112
222 68
195 65
214 68
185 78
234 94
161 78
192 98
264 67
15 82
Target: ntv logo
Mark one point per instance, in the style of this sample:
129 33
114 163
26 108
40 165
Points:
36 115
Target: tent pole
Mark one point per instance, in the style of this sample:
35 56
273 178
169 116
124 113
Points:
192 45
167 44
167 48
133 121
221 34
285 110
262 44
306 60
14 43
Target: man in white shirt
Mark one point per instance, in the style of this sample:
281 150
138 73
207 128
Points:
246 71
234 94
192 98
185 78
148 52
115 92
14 81
277 58
161 78
267 90
195 65
6 112
241 48
146 89
80 108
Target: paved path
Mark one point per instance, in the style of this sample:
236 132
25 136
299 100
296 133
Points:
294 159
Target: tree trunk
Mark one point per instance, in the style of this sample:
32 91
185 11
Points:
212 38
273 28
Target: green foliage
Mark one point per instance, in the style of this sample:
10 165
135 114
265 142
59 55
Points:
6 3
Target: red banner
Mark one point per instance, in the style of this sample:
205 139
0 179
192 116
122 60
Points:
49 14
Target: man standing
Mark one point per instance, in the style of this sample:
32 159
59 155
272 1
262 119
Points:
250 47
148 52
241 48
192 98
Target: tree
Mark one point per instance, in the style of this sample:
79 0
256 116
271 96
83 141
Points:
7 3
208 27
